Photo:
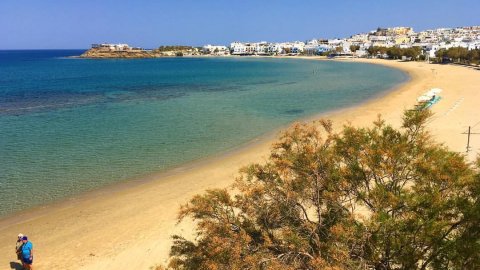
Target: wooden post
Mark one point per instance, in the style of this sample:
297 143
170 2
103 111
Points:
468 140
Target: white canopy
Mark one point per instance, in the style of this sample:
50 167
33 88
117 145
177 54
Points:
436 90
423 98
433 92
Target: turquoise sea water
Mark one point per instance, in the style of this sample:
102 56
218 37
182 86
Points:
72 125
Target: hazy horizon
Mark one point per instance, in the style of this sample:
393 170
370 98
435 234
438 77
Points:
52 24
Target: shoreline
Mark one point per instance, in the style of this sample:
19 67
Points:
138 219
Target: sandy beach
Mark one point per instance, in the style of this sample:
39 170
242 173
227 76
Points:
128 226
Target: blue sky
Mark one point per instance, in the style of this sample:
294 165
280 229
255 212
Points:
54 24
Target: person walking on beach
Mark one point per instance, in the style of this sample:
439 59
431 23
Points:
18 246
27 253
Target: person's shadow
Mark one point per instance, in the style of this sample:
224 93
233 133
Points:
16 266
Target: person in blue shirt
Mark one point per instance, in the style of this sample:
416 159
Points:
27 253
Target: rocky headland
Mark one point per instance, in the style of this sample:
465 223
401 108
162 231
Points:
98 53
104 51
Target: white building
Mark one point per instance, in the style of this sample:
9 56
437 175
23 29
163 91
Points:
240 48
336 42
296 47
113 47
215 50
261 48
265 48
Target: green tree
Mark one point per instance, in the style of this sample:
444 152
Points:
327 53
473 56
173 48
414 190
460 55
457 54
375 50
354 48
394 52
376 197
371 51
413 53
291 213
440 54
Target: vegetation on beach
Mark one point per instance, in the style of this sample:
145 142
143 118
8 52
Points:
412 53
458 55
354 48
174 48
363 198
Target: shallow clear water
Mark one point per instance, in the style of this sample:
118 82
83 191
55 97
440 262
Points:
72 125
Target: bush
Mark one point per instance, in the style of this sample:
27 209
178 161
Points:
173 48
364 198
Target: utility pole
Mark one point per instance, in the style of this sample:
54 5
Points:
468 139
469 132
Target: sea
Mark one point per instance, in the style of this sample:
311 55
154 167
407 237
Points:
71 125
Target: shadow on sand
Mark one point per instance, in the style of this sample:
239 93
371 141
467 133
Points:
16 266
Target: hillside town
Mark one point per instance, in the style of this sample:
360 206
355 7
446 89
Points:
374 43
429 41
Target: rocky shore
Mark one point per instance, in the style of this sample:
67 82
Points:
98 53
163 51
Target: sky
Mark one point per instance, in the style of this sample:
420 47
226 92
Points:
76 24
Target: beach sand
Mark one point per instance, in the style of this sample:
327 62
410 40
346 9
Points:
128 226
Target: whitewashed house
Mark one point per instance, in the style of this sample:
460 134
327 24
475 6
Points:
261 48
240 48
215 50
112 47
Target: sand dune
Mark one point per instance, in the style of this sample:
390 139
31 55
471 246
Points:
128 226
